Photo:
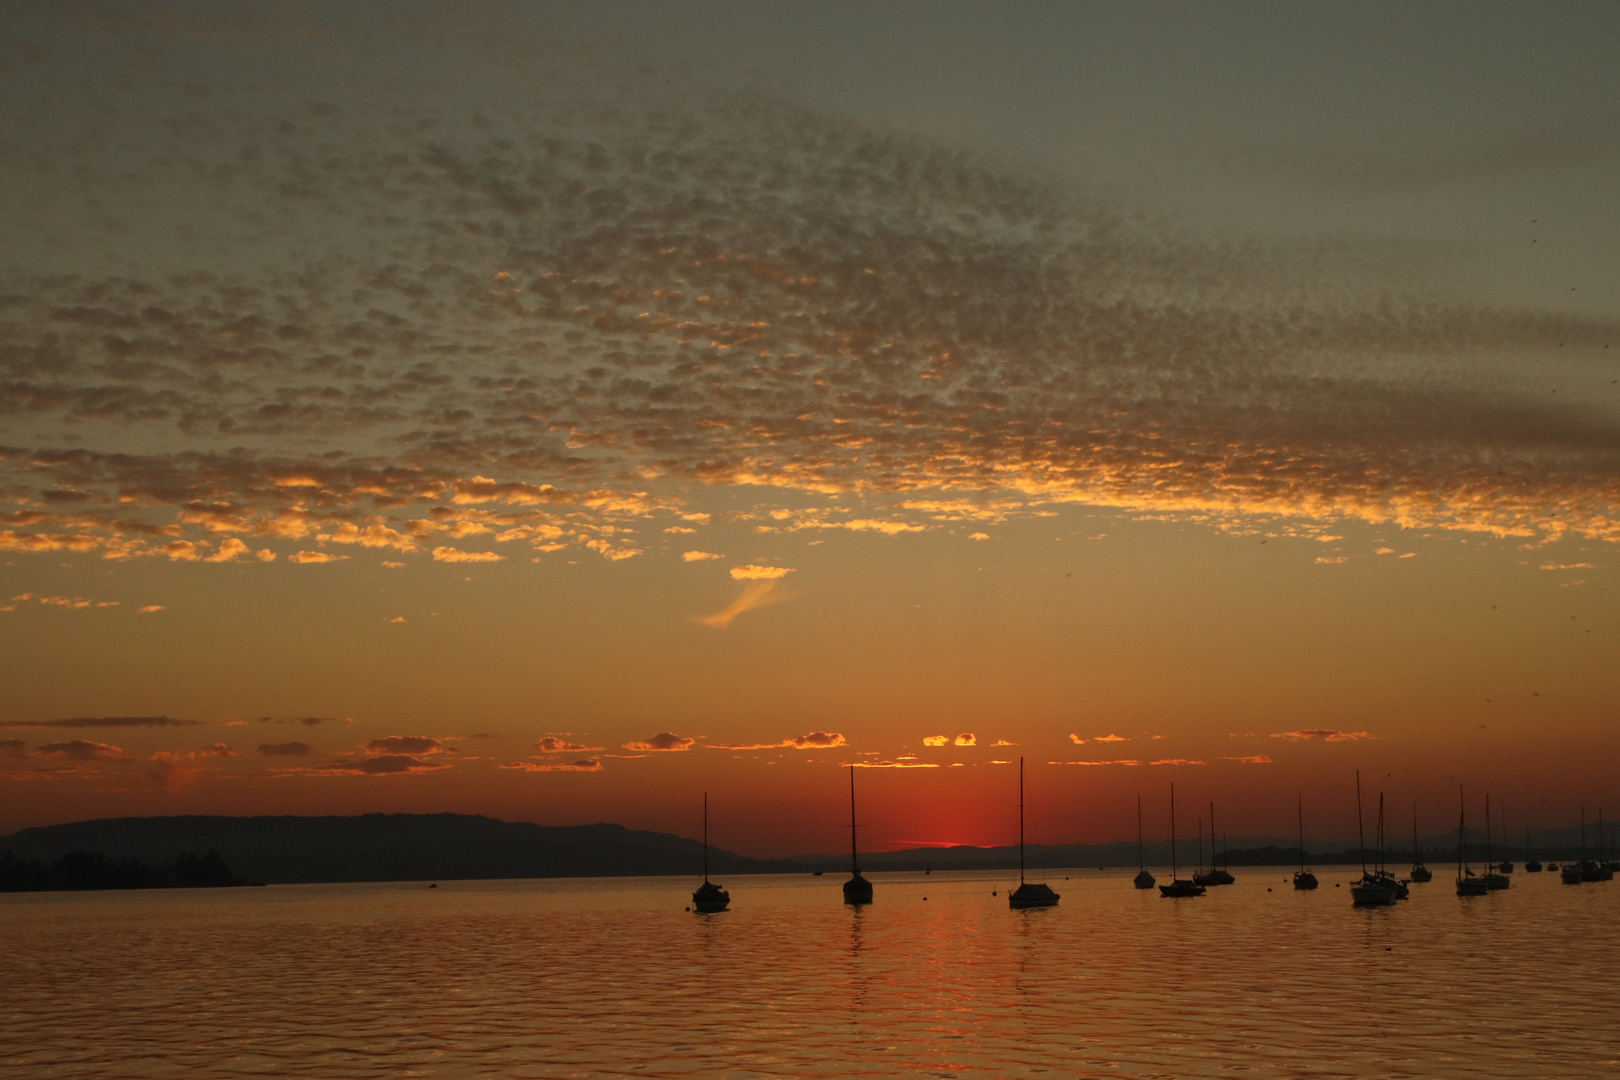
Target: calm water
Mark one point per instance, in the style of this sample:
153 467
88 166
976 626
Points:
613 978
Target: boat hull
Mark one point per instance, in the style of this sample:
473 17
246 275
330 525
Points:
1032 895
1305 880
1144 880
1181 889
1471 887
857 890
1370 895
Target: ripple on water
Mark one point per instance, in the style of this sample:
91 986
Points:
609 978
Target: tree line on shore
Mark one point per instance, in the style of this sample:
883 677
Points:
83 870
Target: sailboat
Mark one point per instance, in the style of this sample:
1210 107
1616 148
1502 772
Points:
1303 879
1503 867
1492 879
1370 891
1381 872
1571 873
709 897
1467 883
1531 866
1143 879
1177 887
1214 876
1029 893
857 890
1606 866
1420 873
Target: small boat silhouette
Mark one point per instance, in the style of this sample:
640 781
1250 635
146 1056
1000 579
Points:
1303 878
857 890
709 897
1029 894
1420 872
1467 883
1143 879
1177 887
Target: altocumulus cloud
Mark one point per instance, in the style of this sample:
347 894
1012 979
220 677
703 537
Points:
536 298
1323 735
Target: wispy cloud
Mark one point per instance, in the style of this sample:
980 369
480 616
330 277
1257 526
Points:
1323 735
581 765
756 594
664 741
104 722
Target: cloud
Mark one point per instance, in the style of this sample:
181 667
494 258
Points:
754 572
1003 742
13 748
456 555
1177 761
81 750
1323 735
317 557
286 749
1112 738
378 765
171 772
815 740
699 556
818 740
756 594
414 745
886 763
151 609
663 741
936 740
967 738
558 325
1252 759
1077 740
552 744
1120 762
104 722
582 765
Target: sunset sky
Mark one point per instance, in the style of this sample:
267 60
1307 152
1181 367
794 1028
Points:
557 411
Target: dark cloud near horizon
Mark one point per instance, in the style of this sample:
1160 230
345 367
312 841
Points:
286 749
104 722
550 319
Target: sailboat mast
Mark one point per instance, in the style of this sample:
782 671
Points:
1212 836
1141 865
854 852
1583 834
1361 833
1020 821
1462 841
1301 833
1488 867
1380 832
705 836
1414 831
1172 831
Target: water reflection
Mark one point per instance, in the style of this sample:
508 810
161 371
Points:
610 978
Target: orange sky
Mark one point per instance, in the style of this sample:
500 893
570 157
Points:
548 443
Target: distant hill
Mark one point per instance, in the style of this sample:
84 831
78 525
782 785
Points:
385 847
427 847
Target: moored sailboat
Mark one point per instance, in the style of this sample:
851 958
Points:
1143 879
1493 880
1303 878
857 890
1531 866
1214 875
1420 873
709 897
1370 891
1177 887
1467 883
1029 894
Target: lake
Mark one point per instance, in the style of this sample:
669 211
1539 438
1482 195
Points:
611 977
